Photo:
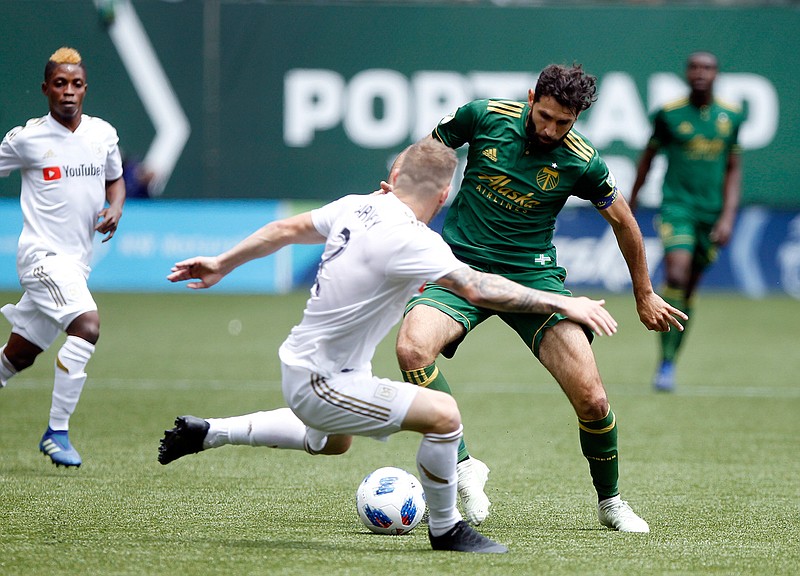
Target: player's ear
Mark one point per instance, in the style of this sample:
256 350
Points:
445 194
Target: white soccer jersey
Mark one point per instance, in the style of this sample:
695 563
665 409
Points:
377 254
63 183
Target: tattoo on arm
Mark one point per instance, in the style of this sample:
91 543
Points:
498 293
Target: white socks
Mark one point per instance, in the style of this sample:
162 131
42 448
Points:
69 379
6 369
275 429
436 463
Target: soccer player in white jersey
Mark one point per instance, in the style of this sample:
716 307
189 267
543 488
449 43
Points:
378 251
72 187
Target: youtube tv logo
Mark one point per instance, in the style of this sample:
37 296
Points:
51 173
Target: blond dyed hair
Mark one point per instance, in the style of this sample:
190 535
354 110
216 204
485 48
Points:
425 167
64 55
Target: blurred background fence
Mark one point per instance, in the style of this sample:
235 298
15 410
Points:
284 105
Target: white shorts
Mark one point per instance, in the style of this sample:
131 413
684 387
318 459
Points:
56 293
354 403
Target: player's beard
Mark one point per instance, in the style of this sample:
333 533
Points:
536 143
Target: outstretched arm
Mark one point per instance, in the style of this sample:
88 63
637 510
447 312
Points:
269 239
653 311
499 293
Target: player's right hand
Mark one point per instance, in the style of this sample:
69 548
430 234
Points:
203 268
591 313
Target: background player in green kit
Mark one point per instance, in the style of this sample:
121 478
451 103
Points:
698 134
524 161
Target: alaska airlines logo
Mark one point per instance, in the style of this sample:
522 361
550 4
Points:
701 148
547 178
500 186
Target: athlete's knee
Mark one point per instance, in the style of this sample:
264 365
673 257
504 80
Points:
414 349
446 417
677 272
593 406
20 353
86 326
412 354
337 444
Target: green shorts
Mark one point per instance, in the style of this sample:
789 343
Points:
529 327
683 233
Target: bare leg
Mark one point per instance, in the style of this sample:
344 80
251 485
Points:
425 332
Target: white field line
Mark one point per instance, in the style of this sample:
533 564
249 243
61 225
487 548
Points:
461 388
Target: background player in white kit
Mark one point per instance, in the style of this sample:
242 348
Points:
378 251
70 166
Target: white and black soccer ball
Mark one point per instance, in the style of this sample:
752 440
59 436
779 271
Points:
390 501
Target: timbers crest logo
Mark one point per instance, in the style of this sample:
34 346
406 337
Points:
547 178
724 125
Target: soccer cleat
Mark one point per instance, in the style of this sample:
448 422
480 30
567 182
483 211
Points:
463 538
616 514
664 380
472 476
186 438
55 444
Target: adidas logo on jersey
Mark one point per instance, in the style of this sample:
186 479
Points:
491 154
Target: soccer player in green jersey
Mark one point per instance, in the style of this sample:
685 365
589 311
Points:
525 160
698 134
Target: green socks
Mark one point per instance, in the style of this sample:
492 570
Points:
431 377
599 446
671 341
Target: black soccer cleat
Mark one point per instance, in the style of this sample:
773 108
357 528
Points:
186 438
463 538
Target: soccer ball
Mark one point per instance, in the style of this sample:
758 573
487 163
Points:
390 501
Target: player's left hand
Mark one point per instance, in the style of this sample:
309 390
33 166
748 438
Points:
109 220
722 232
658 315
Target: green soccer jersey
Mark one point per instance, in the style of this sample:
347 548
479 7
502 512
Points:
697 143
505 211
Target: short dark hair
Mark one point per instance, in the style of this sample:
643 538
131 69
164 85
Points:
569 85
699 54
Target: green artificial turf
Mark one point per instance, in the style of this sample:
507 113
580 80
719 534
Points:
713 467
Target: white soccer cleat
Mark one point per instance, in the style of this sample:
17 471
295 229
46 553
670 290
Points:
616 514
472 476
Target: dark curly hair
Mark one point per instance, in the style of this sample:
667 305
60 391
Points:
569 85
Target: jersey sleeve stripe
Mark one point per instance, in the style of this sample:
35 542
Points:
679 103
579 147
513 109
